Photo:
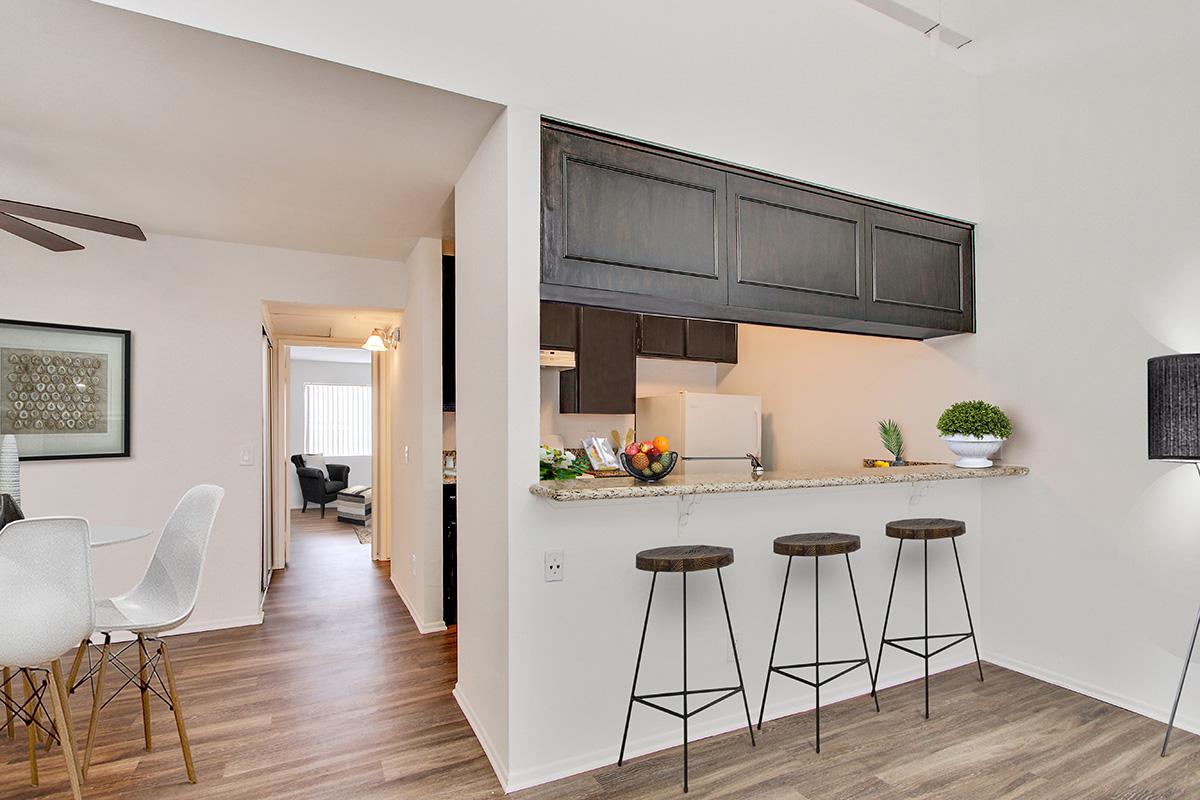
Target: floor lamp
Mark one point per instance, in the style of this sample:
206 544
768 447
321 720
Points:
1173 408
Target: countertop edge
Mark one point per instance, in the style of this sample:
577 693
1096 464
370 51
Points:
574 493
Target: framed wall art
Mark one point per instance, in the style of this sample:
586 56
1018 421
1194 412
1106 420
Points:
64 390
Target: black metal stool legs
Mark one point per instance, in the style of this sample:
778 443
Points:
736 660
779 619
817 682
901 642
967 606
886 615
636 669
862 632
650 699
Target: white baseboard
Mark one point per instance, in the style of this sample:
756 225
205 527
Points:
200 626
734 720
489 749
1155 712
422 626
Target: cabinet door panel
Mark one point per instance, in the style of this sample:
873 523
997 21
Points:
922 272
606 363
712 341
794 250
560 326
621 219
662 337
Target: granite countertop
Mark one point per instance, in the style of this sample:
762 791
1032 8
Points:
621 488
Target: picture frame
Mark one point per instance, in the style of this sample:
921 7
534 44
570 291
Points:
65 390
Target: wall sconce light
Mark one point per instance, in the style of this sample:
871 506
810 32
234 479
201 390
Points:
381 340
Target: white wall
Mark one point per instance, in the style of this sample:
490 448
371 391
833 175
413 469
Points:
194 308
1089 264
416 566
823 393
341 373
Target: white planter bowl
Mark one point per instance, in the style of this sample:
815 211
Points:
973 452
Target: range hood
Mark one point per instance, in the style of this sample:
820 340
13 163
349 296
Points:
557 359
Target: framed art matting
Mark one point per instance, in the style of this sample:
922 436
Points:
64 390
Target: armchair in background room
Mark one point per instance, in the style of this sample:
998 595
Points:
318 488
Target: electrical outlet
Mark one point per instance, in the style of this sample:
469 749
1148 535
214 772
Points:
737 639
554 565
412 564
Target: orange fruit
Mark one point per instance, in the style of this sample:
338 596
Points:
661 443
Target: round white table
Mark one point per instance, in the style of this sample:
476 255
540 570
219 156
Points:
104 535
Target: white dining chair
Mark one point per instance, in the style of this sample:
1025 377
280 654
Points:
46 605
162 601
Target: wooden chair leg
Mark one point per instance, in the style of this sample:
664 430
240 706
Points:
183 739
97 701
74 674
30 690
144 686
62 725
31 731
8 714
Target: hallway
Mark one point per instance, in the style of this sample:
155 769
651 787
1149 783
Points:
335 695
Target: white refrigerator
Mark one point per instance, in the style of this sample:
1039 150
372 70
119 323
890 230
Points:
711 432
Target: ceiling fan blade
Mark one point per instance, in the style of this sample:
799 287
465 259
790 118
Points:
39 236
74 219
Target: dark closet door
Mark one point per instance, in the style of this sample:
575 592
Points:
712 341
621 219
921 272
795 250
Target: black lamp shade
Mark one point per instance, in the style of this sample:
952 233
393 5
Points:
1173 407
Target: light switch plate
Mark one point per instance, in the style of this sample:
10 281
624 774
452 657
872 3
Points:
246 457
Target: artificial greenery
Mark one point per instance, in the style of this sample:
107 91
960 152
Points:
974 418
893 439
559 465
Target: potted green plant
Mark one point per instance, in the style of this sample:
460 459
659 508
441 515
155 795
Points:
893 441
974 431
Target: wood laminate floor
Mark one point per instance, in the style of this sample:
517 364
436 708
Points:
337 696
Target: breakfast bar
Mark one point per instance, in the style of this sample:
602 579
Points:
580 627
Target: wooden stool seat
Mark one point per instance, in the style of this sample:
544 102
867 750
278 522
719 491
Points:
817 544
685 558
925 529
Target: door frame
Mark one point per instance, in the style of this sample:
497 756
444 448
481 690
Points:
381 443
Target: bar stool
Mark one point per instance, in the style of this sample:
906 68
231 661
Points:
817 546
924 530
684 559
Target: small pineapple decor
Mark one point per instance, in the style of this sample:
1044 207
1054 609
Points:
893 440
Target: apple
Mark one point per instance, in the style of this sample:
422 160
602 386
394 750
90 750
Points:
653 453
632 450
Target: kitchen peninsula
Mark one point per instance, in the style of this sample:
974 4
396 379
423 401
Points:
619 488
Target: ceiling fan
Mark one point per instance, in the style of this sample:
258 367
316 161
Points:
11 211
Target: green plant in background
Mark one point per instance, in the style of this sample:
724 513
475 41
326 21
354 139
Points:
974 418
559 465
893 439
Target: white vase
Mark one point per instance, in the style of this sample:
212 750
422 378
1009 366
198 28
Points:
974 452
10 468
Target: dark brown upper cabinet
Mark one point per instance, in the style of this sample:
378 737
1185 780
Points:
604 380
662 337
711 341
795 250
560 326
619 220
921 272
694 339
635 227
